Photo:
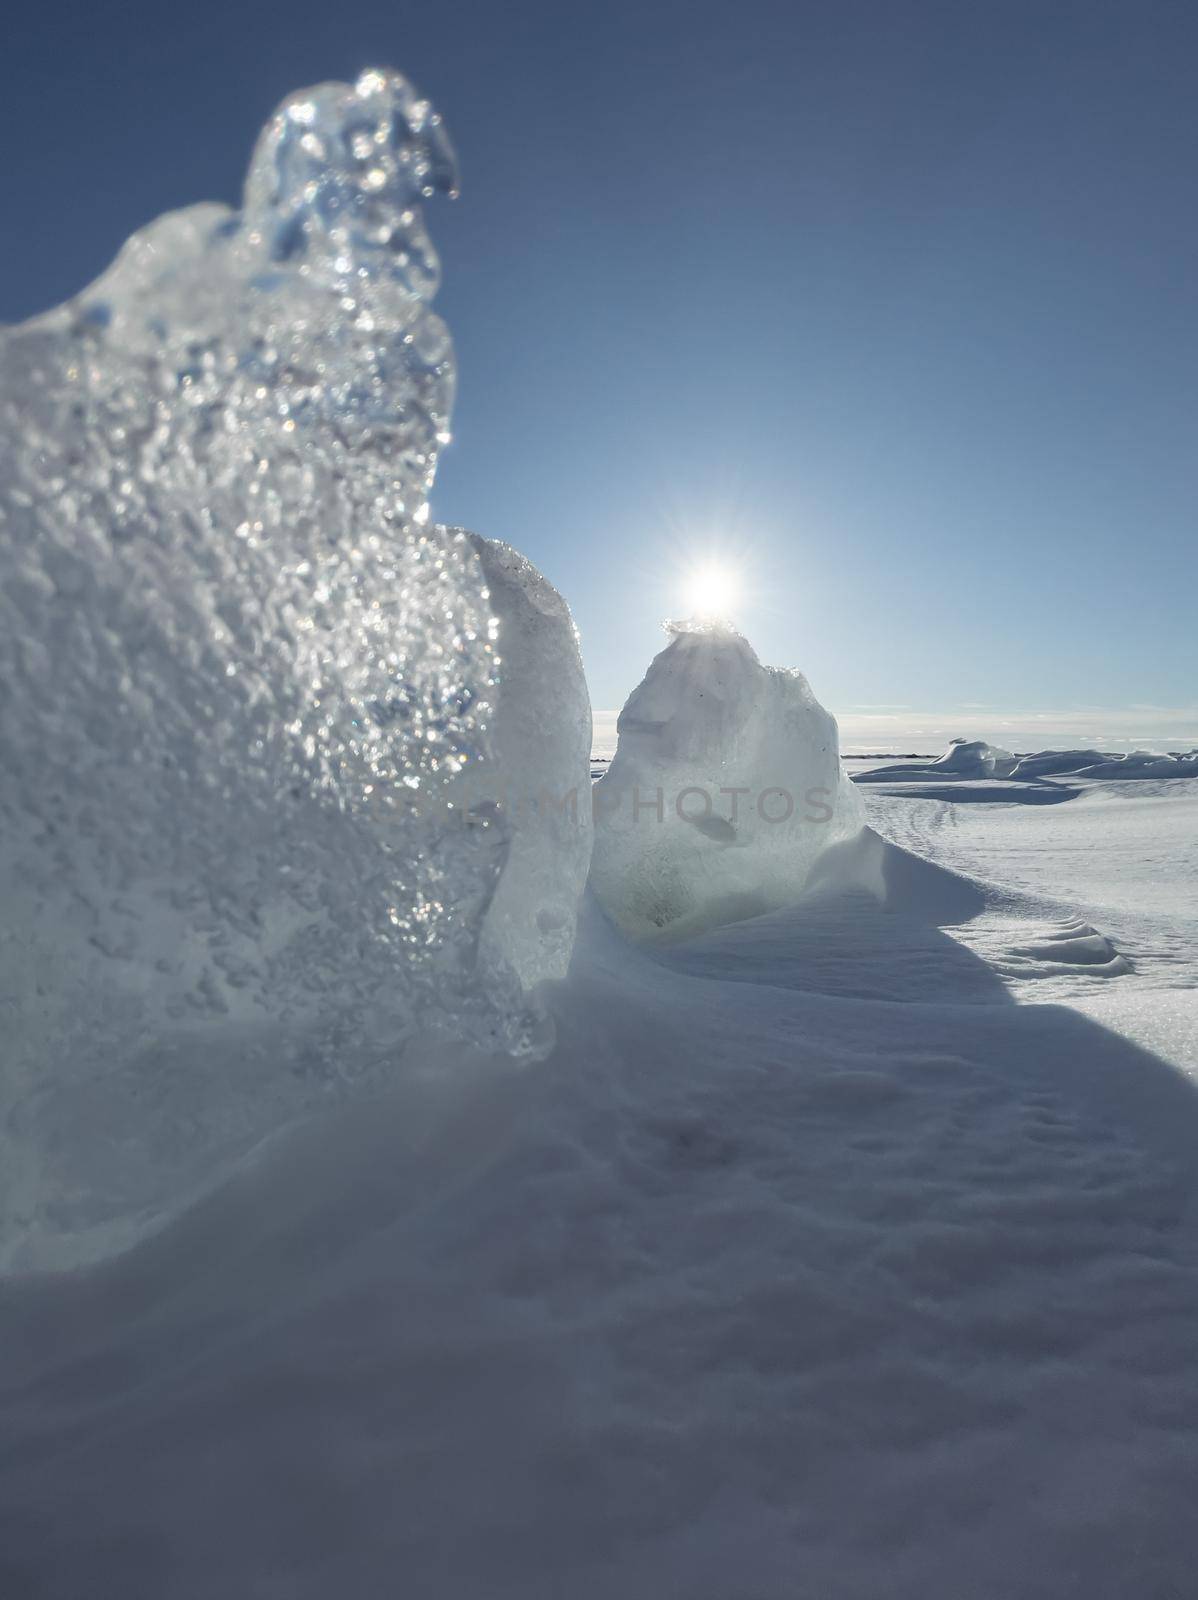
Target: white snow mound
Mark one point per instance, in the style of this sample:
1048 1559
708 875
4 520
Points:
725 790
964 759
1144 764
1049 763
974 758
1101 764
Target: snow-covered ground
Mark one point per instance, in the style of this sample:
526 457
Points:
1101 882
847 1251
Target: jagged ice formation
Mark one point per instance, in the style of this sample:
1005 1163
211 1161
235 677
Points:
241 681
725 790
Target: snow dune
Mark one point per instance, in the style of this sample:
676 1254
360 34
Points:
972 760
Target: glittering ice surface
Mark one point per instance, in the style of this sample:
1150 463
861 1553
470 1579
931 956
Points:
242 678
539 772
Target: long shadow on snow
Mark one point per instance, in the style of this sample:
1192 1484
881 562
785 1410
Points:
976 791
868 928
236 1357
871 930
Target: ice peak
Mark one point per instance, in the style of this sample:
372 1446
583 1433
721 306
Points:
252 715
709 627
338 175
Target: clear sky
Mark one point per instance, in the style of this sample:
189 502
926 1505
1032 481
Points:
893 304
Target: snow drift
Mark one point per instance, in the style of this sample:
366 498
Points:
725 790
975 759
964 758
1048 763
244 686
1137 764
1102 764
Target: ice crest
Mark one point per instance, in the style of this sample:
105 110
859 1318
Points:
337 179
241 676
713 626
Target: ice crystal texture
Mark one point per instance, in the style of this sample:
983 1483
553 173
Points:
725 790
241 677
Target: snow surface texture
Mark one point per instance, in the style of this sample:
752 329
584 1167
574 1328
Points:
725 790
242 681
815 1262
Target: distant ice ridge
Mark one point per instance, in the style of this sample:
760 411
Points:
974 758
1095 764
1048 763
253 707
1099 764
725 790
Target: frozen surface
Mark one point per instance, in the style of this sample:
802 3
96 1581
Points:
242 680
725 789
815 1260
1103 885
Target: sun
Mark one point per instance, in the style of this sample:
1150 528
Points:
712 591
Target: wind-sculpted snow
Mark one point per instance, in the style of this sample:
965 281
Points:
725 790
964 758
1135 764
1049 763
242 680
974 759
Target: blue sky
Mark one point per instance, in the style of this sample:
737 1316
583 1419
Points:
894 304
